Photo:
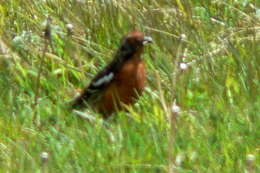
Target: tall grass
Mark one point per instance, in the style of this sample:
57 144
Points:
216 129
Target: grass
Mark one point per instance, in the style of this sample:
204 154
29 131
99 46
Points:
217 129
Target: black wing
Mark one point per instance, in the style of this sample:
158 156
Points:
103 78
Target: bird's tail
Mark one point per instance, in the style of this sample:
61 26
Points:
78 102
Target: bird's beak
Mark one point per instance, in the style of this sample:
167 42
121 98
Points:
147 40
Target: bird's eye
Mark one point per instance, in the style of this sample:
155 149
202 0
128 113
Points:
125 46
140 40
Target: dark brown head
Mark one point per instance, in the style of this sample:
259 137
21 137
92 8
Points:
136 39
133 43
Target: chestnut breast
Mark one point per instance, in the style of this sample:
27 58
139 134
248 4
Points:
127 86
131 80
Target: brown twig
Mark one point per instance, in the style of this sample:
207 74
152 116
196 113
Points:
47 37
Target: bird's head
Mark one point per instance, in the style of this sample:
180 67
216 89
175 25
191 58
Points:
134 42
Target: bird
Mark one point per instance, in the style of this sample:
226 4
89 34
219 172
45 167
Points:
121 82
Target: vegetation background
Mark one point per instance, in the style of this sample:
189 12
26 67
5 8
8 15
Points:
199 113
